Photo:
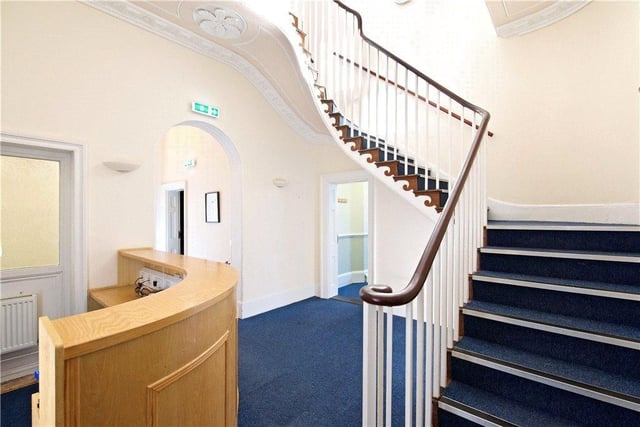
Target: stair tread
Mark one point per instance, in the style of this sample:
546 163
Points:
623 332
500 407
559 226
604 286
630 256
583 375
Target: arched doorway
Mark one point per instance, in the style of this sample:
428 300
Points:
198 158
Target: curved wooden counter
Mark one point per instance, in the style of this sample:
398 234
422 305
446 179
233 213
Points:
166 359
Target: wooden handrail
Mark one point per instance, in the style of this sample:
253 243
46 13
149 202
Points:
383 295
410 92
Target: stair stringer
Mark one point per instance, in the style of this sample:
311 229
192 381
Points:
379 173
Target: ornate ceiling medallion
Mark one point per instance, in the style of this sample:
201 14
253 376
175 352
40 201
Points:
219 22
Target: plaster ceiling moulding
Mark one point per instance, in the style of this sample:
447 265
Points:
142 18
220 22
540 19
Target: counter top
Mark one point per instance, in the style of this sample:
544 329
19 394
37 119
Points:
204 284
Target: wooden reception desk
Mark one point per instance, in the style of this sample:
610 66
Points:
167 359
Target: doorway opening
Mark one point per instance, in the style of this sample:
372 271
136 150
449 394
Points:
352 238
196 158
347 234
175 221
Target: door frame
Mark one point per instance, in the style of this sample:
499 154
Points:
75 263
328 229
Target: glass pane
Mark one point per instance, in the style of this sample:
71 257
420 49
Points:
30 213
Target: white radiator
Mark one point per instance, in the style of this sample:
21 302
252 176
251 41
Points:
19 323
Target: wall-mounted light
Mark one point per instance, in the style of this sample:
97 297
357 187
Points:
402 1
280 182
120 166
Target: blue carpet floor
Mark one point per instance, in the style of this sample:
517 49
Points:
15 407
301 366
351 291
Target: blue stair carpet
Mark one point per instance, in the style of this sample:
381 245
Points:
552 334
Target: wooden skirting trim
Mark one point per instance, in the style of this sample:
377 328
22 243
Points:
17 384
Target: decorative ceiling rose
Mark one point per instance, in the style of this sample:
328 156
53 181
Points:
219 22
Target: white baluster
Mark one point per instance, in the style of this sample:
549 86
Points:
426 131
416 103
428 380
387 108
389 368
437 139
420 400
406 120
436 326
442 252
380 365
369 353
452 304
343 63
408 361
395 110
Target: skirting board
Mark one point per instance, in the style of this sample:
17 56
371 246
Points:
352 277
16 366
262 305
615 213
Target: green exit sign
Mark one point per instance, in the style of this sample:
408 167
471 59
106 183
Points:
207 110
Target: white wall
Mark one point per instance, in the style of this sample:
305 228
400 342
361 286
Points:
211 173
564 99
75 74
400 238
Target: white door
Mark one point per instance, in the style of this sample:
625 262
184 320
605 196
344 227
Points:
36 226
36 244
175 222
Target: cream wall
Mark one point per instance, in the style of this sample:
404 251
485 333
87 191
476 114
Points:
564 99
72 73
400 238
211 173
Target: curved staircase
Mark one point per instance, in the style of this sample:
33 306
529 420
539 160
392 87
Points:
513 323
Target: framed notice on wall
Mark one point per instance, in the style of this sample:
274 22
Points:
212 206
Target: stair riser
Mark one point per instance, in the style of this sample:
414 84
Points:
610 310
571 269
562 403
404 169
608 357
598 241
